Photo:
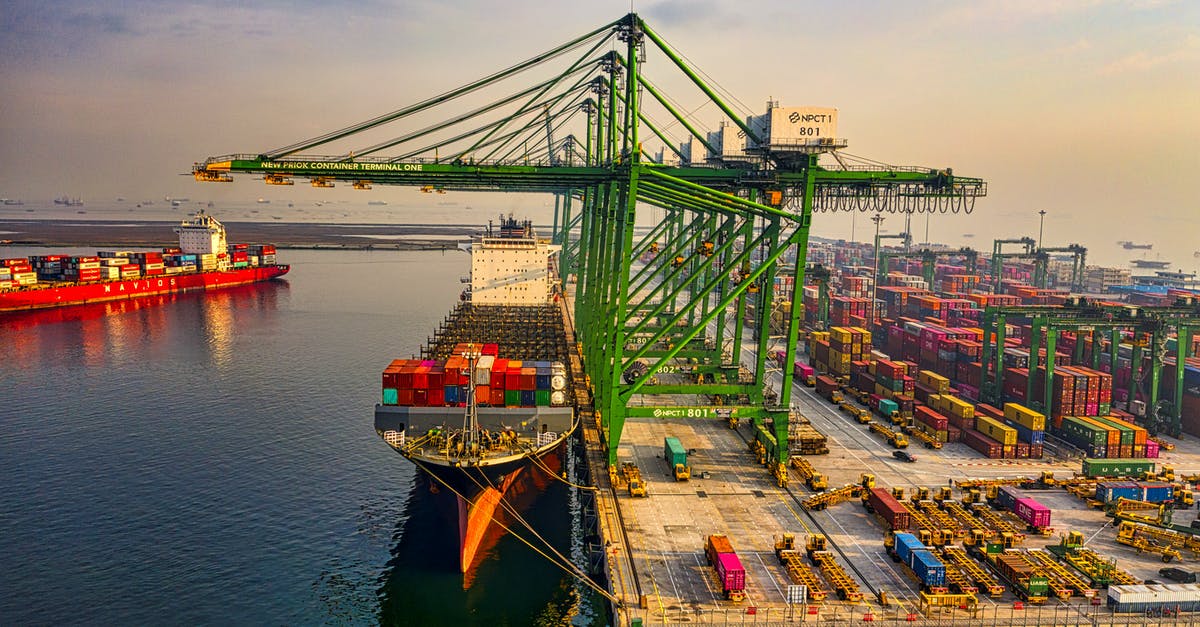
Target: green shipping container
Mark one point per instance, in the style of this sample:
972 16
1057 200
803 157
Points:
543 398
390 396
1116 467
674 452
512 398
1126 432
1084 433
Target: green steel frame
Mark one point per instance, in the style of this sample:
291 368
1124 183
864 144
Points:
1150 327
652 311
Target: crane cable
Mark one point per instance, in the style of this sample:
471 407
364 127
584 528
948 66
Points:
574 569
570 571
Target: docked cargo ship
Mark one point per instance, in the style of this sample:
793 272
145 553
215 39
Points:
487 410
204 260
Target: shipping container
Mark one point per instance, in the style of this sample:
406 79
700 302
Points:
731 574
715 545
893 513
1032 512
1007 497
674 452
1116 467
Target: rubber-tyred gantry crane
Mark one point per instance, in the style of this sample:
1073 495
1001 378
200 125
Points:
734 202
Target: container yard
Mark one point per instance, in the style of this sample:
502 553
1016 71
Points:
1030 502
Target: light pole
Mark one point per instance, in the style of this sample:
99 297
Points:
1041 221
877 219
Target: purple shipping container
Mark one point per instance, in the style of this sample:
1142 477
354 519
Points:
731 573
1151 449
1033 513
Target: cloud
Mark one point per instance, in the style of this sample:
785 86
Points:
677 14
1142 60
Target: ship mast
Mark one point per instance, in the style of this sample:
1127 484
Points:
471 419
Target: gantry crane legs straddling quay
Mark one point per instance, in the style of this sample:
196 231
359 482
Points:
651 310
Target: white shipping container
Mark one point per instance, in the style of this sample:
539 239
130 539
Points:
1153 593
172 270
483 369
154 266
114 261
6 284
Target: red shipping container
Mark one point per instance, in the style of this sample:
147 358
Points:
421 397
888 508
512 378
497 397
420 379
528 380
437 397
404 397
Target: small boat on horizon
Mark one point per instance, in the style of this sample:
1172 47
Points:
1132 246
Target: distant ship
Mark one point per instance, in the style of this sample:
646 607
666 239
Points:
1150 263
376 202
202 261
263 201
11 201
968 235
68 201
1133 246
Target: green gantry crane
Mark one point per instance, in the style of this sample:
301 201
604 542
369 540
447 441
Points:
646 304
1078 266
1150 328
928 261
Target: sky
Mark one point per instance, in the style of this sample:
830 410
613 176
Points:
1089 109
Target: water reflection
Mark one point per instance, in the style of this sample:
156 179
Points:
101 335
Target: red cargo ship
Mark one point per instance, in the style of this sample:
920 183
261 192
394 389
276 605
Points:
203 261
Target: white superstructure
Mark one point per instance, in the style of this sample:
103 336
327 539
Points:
202 235
510 266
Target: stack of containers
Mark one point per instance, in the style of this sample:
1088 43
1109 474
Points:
1005 435
20 272
264 252
932 423
6 281
149 263
1030 426
239 255
48 267
81 269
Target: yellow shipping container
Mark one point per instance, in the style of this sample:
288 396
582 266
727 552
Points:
1001 433
934 402
819 336
1024 416
838 357
934 381
862 335
841 335
958 407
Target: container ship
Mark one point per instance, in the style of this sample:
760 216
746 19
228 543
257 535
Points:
487 410
202 261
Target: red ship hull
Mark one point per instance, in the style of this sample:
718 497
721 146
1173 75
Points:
48 297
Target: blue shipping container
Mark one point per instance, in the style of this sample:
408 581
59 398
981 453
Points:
1112 490
906 543
528 398
928 569
1026 434
1156 492
453 394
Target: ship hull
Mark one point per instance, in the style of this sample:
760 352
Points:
483 503
481 499
80 294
